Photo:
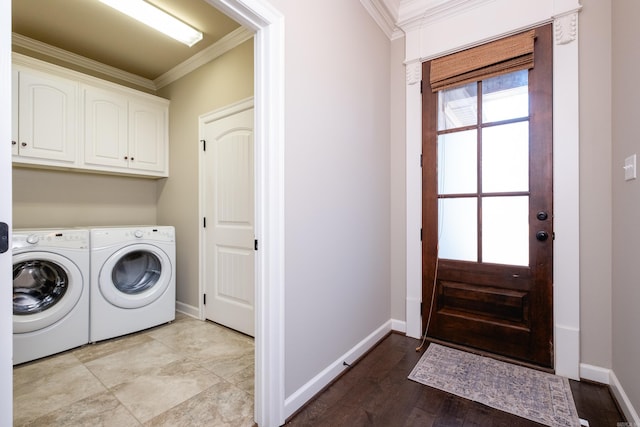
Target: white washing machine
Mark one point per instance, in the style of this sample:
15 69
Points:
133 279
50 292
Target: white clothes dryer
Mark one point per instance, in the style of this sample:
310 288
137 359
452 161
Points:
50 292
133 279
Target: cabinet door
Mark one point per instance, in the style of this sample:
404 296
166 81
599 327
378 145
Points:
147 134
47 109
105 128
14 111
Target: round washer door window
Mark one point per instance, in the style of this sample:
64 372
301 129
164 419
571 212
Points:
46 287
135 276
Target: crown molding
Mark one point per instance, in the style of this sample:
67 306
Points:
397 17
225 44
80 61
416 13
222 46
385 13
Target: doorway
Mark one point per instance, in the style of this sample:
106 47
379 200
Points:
487 208
268 24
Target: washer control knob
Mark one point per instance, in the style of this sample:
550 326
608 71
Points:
138 234
33 239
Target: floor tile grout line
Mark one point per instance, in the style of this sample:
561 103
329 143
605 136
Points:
233 380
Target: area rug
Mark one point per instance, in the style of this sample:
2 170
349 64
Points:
531 394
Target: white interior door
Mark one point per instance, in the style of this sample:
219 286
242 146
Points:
229 246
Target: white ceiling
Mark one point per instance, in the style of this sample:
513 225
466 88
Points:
93 30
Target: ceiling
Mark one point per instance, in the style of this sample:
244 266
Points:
94 30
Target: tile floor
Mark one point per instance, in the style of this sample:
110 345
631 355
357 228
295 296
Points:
186 373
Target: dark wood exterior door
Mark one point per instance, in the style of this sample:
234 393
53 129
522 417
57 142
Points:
488 214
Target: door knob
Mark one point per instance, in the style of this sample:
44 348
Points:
542 235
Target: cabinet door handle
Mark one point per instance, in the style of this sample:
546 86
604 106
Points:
13 142
132 159
126 157
24 144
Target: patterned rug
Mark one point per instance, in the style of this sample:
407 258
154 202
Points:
531 394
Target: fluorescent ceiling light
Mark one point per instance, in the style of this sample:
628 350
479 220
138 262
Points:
157 19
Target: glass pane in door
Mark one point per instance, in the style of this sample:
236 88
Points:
458 107
457 228
505 158
457 163
505 230
505 97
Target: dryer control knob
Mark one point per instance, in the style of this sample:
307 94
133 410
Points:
138 234
33 239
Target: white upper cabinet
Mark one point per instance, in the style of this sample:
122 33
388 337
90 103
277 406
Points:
105 128
67 119
147 136
14 112
47 118
124 132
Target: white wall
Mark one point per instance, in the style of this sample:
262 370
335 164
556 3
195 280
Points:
337 193
626 199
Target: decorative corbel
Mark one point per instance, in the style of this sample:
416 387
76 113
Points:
565 28
414 72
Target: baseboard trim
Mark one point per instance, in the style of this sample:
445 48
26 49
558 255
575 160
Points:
623 400
608 377
595 373
305 393
399 326
187 309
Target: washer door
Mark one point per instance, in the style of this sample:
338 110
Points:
46 287
135 276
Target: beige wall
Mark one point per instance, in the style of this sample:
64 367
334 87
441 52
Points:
595 183
227 79
337 183
397 158
46 198
626 198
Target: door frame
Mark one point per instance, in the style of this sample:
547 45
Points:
6 204
268 24
203 119
423 44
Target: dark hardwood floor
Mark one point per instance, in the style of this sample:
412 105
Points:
376 392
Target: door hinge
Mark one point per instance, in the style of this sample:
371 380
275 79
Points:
421 234
204 145
420 86
204 299
420 160
421 306
255 245
204 222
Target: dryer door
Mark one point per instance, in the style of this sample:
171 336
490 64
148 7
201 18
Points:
46 287
135 276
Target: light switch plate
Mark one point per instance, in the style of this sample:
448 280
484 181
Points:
630 168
